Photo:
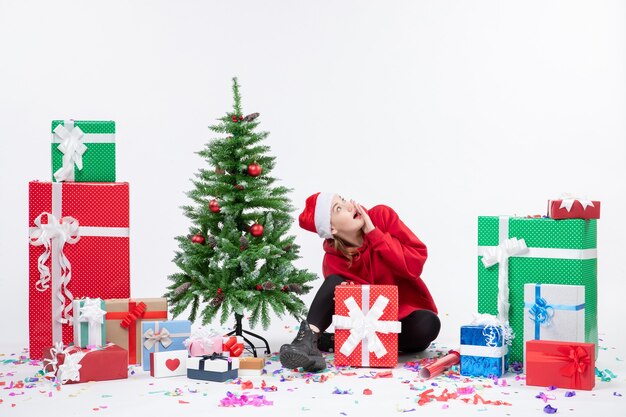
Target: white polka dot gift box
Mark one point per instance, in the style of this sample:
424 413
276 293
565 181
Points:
79 247
83 150
554 312
366 325
514 251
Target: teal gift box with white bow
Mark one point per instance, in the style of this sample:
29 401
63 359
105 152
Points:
89 322
163 336
554 312
83 150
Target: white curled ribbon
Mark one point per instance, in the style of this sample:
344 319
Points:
53 236
494 327
70 369
92 313
72 147
500 255
152 338
568 200
363 327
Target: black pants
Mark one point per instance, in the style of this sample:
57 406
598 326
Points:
418 328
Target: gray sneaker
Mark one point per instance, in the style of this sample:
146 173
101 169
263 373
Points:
303 352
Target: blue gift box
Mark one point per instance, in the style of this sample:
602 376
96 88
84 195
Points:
215 367
162 336
483 352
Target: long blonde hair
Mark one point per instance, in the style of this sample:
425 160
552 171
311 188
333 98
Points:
349 252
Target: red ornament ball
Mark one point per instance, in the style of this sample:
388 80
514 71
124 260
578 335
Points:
214 206
259 287
235 119
239 187
254 170
198 238
256 230
285 288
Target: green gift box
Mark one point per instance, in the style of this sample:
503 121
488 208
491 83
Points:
559 252
83 150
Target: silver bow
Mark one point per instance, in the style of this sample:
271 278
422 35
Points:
163 337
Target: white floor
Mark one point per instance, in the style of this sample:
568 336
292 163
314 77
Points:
301 394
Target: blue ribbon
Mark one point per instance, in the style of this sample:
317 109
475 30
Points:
541 312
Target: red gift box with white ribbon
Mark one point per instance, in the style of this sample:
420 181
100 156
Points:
366 325
79 247
571 207
561 364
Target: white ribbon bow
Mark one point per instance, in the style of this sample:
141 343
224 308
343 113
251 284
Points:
163 336
72 147
500 255
567 201
53 236
364 327
70 369
93 314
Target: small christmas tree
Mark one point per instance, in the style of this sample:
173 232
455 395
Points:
238 256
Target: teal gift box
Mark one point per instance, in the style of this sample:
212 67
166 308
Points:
558 252
89 322
163 336
83 150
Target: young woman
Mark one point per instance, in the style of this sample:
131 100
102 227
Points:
363 247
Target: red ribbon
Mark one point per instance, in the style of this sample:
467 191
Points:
575 359
233 346
133 315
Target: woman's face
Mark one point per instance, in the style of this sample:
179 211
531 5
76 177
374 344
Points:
343 217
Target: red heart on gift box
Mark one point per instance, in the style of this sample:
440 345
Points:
172 364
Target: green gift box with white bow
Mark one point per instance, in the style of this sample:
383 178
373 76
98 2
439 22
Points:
513 251
83 150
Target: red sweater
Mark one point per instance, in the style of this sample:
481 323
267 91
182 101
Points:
391 255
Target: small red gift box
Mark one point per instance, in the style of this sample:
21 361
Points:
366 326
573 208
79 247
560 364
73 364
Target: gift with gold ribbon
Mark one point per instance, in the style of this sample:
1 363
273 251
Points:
83 150
124 320
366 325
79 247
559 252
568 365
163 336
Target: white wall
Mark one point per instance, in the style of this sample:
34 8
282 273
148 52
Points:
444 110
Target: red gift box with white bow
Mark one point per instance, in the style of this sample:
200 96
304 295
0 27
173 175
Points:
73 364
366 325
79 247
570 207
561 364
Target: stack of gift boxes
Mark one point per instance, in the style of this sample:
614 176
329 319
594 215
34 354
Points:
537 293
81 315
545 269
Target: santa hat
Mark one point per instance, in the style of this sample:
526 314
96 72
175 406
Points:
316 214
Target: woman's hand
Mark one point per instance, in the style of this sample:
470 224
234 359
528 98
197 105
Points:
368 226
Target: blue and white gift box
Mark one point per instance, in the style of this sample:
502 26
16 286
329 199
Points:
163 336
483 351
554 312
215 367
89 322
